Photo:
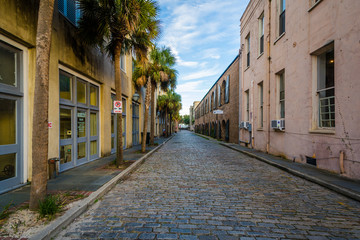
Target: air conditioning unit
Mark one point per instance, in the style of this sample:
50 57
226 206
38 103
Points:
278 124
244 125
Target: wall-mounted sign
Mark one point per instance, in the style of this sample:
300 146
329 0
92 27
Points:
218 112
49 124
117 106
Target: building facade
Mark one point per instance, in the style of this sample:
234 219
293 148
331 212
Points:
82 125
299 81
217 114
192 115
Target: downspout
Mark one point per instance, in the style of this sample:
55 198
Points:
268 79
240 89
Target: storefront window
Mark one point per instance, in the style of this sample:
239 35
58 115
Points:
65 87
93 95
81 92
8 68
7 121
81 124
65 123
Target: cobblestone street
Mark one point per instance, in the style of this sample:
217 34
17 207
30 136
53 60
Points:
193 188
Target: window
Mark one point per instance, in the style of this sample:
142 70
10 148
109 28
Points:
206 106
122 62
11 116
227 85
219 95
282 94
261 34
282 17
326 88
223 94
214 97
135 124
210 103
248 50
261 105
70 9
247 95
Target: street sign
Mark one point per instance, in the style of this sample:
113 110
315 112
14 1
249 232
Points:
117 106
218 112
49 124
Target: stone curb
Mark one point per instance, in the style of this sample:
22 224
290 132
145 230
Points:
313 179
59 224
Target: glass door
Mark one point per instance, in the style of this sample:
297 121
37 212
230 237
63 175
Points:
10 154
82 120
66 138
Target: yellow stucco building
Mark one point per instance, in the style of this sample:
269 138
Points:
81 89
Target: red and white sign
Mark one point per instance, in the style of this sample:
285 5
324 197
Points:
49 124
117 106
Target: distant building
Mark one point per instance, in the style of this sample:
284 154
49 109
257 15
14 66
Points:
192 115
217 114
299 80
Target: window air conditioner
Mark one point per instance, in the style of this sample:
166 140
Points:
278 124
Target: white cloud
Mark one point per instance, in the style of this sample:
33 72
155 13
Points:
190 87
201 74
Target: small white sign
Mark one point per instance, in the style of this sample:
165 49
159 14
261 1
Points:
218 112
49 124
117 106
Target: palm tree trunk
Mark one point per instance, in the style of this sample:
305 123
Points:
119 143
146 117
166 123
41 104
152 122
170 120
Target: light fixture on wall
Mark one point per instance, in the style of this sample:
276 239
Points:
135 97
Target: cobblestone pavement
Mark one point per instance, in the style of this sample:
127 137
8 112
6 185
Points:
193 188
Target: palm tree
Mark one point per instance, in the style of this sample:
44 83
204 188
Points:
116 25
169 104
41 103
164 61
149 73
174 106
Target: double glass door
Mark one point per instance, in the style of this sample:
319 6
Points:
79 138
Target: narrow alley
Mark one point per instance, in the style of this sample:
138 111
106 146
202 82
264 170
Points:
193 188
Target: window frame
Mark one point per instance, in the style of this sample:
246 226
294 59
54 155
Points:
282 17
248 45
261 104
261 34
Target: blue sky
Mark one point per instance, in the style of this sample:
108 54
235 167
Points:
204 35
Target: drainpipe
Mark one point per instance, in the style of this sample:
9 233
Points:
268 79
240 89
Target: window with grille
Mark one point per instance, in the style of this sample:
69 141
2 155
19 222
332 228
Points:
326 89
261 105
247 105
282 94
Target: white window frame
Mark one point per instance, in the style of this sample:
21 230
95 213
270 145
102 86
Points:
123 62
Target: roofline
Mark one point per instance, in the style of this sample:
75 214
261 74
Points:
218 79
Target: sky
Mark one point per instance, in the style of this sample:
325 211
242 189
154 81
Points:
204 35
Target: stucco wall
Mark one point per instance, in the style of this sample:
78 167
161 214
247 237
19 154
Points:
307 30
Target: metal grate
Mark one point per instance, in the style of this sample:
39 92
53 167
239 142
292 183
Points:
327 110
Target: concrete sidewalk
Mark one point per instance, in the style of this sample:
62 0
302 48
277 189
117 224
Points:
83 179
343 185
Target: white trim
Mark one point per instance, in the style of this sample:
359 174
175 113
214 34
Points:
25 78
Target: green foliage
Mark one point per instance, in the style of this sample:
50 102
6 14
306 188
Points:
185 119
5 212
49 206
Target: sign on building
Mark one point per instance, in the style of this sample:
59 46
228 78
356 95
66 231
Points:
117 106
218 112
